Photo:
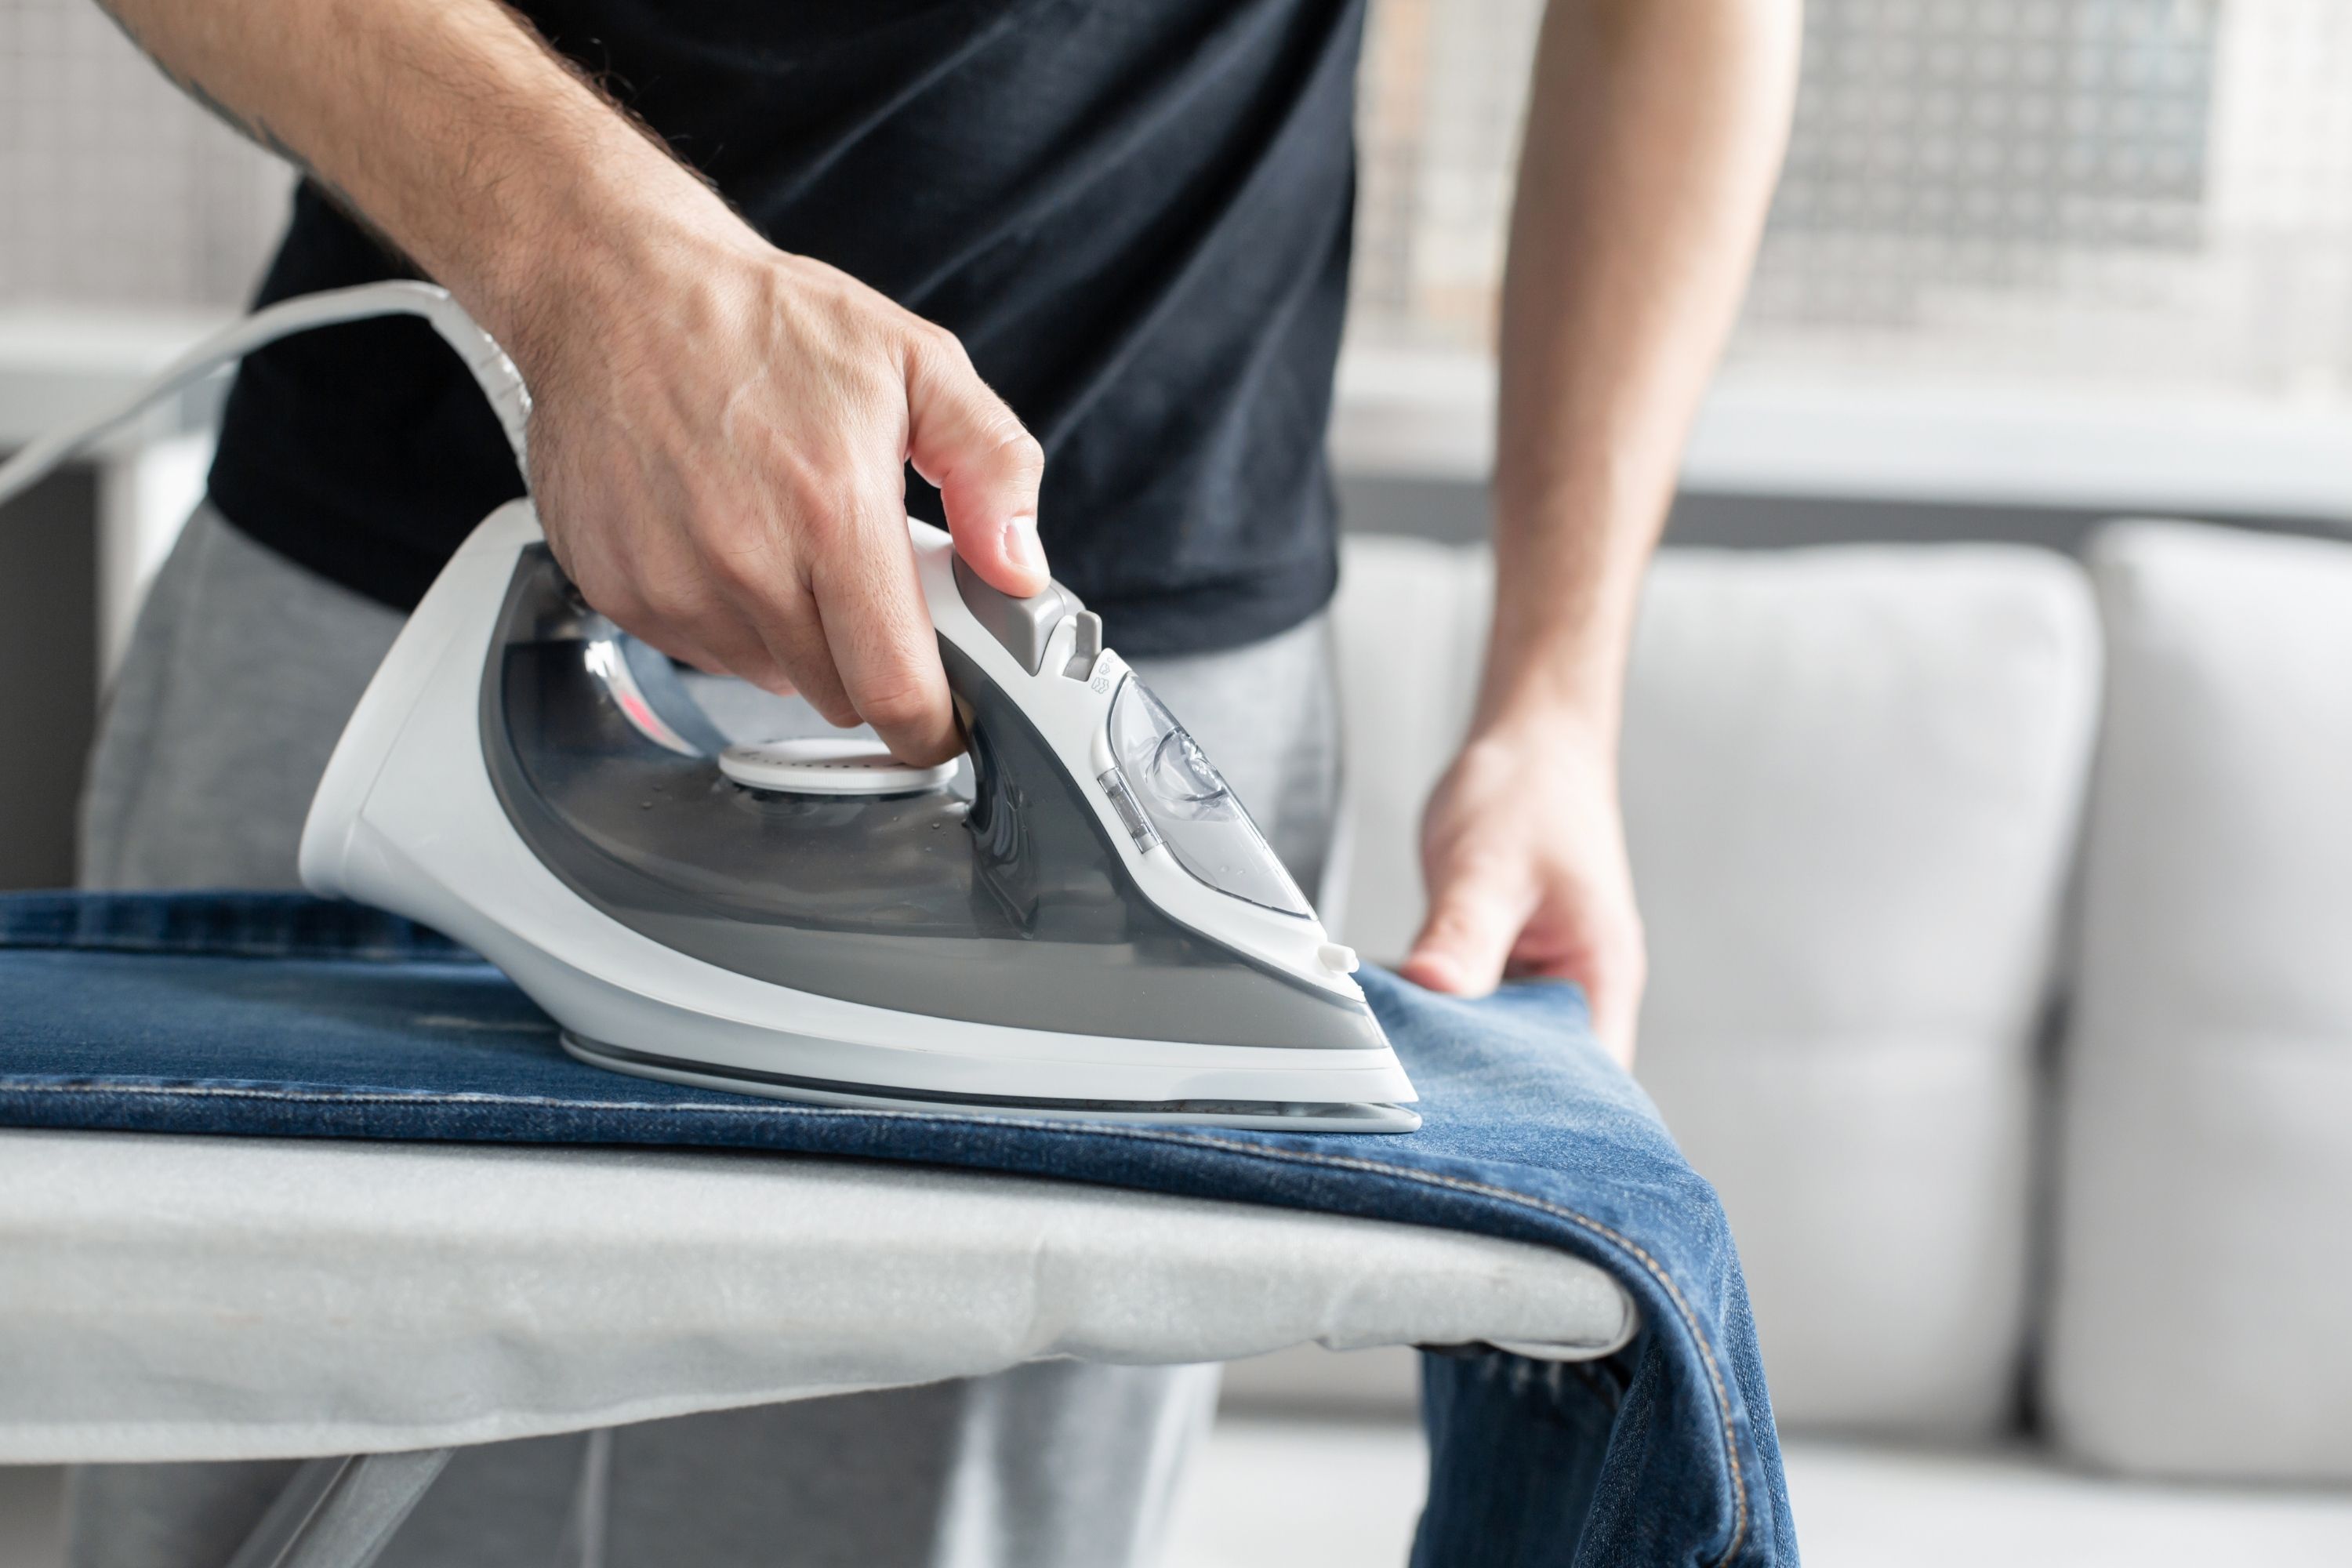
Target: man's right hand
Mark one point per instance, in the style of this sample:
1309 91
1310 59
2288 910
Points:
720 430
717 451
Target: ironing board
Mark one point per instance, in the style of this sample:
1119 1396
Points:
183 1297
178 1297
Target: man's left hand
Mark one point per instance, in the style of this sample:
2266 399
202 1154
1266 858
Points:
1523 852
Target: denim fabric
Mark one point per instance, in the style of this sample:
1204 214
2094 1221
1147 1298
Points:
1517 1450
278 1015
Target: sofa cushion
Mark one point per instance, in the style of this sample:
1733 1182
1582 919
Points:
2207 1104
1852 778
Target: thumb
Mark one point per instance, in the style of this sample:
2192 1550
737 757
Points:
1468 935
962 437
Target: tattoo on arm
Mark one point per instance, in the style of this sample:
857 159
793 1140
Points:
256 130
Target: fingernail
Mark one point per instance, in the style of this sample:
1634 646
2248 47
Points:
1021 546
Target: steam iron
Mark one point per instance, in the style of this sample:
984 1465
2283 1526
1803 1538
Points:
1077 920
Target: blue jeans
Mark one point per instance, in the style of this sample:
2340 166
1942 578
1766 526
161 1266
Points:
128 1012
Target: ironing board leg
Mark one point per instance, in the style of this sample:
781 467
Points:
340 1512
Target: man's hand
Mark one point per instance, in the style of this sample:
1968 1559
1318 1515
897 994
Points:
1523 852
720 429
717 451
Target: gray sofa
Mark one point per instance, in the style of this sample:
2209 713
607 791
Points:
2000 918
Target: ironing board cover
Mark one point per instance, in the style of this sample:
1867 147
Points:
276 1015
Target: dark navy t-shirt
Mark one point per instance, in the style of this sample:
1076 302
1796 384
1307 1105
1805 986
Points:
1134 213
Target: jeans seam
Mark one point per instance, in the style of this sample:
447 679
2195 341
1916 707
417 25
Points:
1656 1270
1137 1134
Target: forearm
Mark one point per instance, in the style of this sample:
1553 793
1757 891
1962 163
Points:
720 431
1653 141
446 124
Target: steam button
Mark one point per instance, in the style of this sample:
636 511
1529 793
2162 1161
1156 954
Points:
1023 626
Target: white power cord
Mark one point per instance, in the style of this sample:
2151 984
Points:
487 363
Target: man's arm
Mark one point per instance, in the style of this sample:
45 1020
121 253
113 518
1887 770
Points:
720 428
1653 141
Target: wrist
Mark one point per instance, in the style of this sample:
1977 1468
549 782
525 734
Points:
1568 590
590 246
1561 730
1559 683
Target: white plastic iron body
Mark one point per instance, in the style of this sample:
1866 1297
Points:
409 817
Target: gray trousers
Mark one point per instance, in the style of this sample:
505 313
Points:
240 675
